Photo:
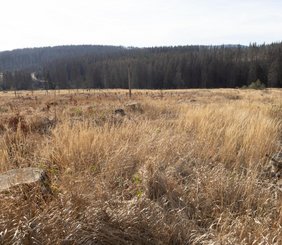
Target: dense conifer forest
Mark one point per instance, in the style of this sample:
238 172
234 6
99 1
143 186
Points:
87 66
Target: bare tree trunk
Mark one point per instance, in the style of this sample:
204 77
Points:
129 79
55 100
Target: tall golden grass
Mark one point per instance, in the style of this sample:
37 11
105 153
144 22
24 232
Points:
187 167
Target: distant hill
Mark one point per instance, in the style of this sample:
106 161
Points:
89 66
35 58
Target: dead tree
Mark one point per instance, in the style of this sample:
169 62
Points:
129 79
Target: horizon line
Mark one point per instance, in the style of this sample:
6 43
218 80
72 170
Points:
144 47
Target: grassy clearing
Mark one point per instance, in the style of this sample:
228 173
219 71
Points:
186 167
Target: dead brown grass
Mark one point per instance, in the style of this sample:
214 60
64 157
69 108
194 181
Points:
185 168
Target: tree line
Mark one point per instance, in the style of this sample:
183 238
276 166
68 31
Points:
225 66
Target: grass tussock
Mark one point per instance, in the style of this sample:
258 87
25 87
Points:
178 167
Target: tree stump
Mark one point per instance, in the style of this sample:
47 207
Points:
25 176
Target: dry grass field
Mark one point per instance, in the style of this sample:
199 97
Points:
175 167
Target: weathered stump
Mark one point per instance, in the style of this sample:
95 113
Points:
119 112
134 106
23 195
16 178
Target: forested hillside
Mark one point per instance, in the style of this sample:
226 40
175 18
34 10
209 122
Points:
152 68
35 58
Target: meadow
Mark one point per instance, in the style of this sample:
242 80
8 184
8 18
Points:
164 167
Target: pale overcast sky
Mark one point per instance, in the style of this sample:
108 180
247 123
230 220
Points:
141 23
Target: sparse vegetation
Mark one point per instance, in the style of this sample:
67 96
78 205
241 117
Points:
177 167
257 85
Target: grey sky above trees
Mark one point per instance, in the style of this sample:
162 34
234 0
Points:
37 23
